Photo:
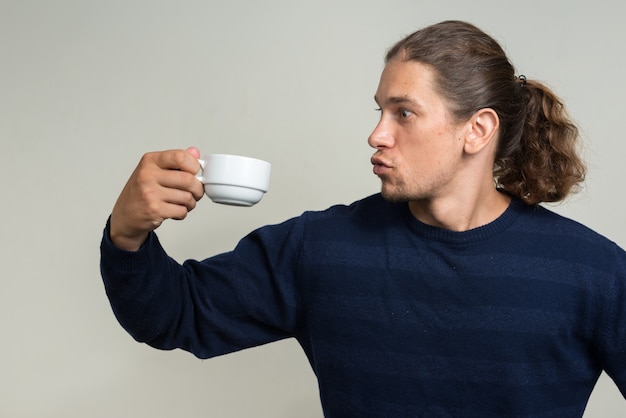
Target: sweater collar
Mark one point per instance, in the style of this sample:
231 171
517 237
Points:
504 221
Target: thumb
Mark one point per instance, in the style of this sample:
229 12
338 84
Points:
194 151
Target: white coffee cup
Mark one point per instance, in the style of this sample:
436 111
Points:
234 179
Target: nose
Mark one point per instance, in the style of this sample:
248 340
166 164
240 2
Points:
381 136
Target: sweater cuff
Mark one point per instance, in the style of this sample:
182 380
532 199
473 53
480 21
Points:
113 258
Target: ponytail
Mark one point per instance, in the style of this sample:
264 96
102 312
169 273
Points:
545 165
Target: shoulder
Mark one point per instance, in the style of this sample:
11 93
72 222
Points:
540 218
548 229
360 207
367 216
371 209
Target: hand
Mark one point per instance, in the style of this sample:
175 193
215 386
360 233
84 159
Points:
163 186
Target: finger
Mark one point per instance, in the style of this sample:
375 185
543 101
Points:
163 204
158 214
180 198
176 160
174 211
181 180
195 152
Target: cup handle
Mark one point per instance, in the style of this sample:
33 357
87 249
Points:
201 171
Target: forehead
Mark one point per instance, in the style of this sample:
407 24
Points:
401 78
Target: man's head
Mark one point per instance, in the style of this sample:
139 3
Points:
441 94
536 154
472 72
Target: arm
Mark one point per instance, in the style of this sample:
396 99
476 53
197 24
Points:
232 301
235 300
613 347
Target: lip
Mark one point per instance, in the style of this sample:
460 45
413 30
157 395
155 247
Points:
380 166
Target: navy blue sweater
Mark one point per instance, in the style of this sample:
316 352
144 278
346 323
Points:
399 319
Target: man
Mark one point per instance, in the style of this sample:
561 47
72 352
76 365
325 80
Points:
451 293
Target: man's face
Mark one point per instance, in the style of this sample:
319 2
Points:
418 145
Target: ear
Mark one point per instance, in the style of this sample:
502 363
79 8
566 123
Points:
482 129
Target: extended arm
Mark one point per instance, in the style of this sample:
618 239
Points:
239 299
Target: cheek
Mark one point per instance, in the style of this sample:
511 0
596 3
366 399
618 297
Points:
436 155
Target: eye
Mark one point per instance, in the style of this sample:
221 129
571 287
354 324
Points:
404 113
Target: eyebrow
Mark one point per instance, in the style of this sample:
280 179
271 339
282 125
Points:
399 100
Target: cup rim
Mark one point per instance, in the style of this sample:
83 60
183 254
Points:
234 156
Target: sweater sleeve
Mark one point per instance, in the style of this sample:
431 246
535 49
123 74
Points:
239 299
613 348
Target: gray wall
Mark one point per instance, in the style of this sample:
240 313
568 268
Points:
86 87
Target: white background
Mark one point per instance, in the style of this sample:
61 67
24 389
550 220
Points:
86 87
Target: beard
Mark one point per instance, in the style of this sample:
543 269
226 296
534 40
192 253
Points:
393 197
394 192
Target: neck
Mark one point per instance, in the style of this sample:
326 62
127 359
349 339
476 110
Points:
461 213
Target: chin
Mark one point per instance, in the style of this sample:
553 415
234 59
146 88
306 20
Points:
393 196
